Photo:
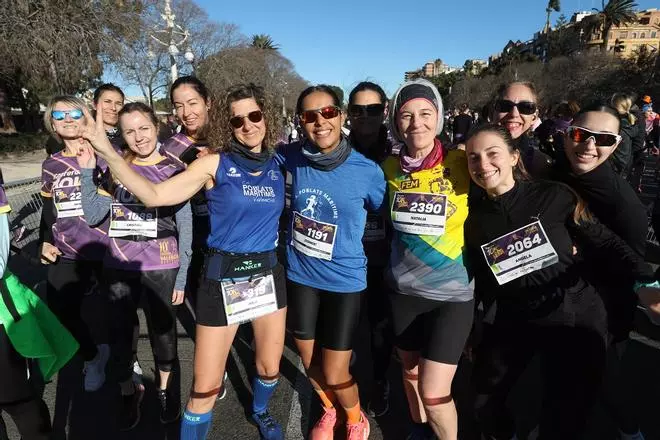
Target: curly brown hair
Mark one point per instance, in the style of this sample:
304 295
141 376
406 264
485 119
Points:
220 131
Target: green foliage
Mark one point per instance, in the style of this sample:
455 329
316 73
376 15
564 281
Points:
445 82
163 105
561 21
264 41
614 13
22 143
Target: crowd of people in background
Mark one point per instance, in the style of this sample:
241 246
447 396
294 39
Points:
506 232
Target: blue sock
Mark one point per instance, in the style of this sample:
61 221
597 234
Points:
195 426
261 392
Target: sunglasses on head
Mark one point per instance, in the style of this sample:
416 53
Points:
363 111
239 121
59 115
310 116
601 139
524 107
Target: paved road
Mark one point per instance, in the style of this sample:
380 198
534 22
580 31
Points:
85 416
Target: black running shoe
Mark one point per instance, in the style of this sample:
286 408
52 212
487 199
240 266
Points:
379 404
170 406
129 414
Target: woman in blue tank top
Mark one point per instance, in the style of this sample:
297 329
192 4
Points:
242 280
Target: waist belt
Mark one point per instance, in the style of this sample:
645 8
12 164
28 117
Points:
222 265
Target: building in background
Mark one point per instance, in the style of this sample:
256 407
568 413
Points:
626 40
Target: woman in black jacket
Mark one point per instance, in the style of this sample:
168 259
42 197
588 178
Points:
520 237
614 202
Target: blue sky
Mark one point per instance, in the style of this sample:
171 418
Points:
343 42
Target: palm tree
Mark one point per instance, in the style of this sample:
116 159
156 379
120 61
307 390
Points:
264 41
553 5
614 13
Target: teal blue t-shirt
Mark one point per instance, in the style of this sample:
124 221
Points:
327 218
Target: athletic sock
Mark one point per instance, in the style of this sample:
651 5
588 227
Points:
261 392
328 398
353 415
195 426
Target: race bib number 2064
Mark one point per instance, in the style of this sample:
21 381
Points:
520 252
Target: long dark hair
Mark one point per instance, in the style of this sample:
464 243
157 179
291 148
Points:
324 88
193 82
383 146
365 86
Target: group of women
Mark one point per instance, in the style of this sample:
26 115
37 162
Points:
419 237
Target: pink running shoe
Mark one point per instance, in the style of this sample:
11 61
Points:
325 427
358 431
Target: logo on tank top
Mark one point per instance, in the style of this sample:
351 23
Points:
317 204
261 193
67 179
232 172
273 175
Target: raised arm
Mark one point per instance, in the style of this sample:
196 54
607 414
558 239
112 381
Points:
173 191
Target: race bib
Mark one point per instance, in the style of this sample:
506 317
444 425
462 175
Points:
249 299
374 228
133 219
419 213
520 252
68 205
200 209
313 238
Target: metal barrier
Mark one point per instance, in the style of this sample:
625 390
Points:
25 200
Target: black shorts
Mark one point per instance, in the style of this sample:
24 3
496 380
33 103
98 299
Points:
330 318
210 307
437 329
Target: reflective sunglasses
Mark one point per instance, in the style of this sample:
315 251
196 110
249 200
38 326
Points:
59 115
524 107
239 121
601 139
364 111
310 116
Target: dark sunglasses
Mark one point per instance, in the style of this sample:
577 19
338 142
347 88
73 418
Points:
329 112
364 111
59 115
601 139
239 121
524 107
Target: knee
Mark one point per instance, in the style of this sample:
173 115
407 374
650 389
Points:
335 374
268 368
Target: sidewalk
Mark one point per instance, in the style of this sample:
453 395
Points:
21 167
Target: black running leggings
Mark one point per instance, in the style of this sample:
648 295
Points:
125 290
69 283
380 321
571 342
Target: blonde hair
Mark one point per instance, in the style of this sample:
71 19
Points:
65 99
623 103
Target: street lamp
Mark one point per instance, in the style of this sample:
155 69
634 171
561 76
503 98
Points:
174 32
